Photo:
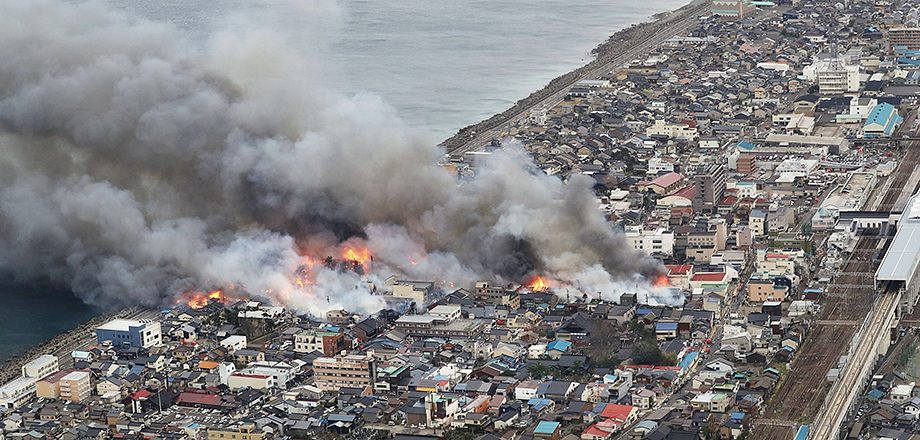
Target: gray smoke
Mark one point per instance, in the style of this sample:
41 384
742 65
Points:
136 169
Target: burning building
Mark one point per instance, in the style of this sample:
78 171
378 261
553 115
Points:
137 169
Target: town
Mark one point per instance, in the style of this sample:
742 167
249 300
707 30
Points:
767 158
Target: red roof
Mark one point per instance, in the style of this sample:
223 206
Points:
728 200
594 430
254 376
140 394
777 256
687 192
198 399
709 276
618 412
667 180
682 269
55 377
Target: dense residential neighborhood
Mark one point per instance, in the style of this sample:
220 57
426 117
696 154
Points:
747 156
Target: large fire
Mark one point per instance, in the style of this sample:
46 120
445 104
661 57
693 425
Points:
661 281
538 285
357 255
199 300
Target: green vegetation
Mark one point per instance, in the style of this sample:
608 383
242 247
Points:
538 370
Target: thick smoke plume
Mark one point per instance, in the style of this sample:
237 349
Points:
136 169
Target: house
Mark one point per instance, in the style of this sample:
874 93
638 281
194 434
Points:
556 348
643 398
548 430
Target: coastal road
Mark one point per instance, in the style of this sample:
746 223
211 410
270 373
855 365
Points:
629 52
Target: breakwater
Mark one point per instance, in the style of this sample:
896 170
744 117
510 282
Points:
616 47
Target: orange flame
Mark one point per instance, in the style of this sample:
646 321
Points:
538 285
199 300
359 256
661 281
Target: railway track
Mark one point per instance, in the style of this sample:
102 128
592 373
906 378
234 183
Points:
849 298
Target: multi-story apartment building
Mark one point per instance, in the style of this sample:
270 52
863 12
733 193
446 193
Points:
332 373
325 341
710 186
72 385
41 366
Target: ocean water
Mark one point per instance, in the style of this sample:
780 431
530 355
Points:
33 313
442 64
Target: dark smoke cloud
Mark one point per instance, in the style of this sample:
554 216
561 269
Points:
135 169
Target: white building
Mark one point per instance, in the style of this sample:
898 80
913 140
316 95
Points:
17 392
234 343
660 240
657 165
833 76
797 167
41 366
239 380
662 128
281 372
142 334
449 312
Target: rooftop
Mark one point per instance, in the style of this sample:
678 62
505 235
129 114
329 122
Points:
121 325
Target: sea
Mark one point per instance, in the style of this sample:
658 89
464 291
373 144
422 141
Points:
441 64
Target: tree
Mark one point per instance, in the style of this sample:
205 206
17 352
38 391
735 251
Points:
607 362
648 353
806 229
538 370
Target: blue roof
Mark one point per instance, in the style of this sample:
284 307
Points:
559 344
878 394
746 145
643 311
666 326
802 434
545 427
880 114
737 415
688 359
538 403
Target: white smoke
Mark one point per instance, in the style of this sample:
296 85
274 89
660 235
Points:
137 167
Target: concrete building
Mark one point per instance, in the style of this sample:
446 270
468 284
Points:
908 37
15 393
659 240
128 332
834 78
41 366
679 130
325 341
234 343
731 10
710 186
418 291
72 385
239 380
332 373
243 431
760 290
281 372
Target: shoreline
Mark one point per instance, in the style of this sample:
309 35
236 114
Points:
604 53
11 367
